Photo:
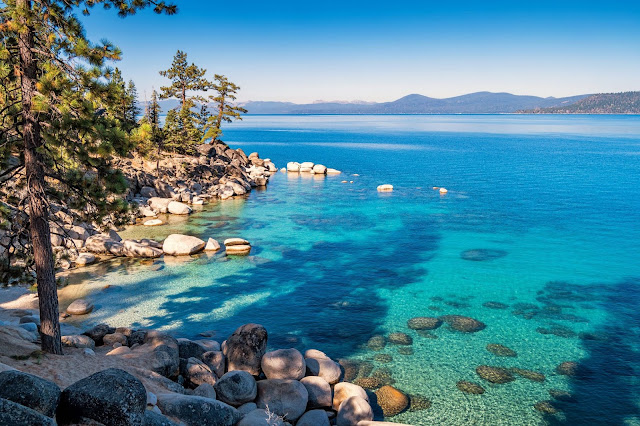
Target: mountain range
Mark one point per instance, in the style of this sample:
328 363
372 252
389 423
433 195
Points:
473 103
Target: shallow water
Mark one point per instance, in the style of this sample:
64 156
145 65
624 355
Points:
552 203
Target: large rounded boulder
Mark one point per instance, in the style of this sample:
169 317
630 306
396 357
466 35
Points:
320 394
112 397
391 400
353 411
236 388
245 348
30 391
284 364
182 245
287 398
198 410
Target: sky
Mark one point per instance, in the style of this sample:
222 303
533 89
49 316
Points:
305 51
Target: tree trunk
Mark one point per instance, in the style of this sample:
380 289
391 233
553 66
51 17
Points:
38 205
220 114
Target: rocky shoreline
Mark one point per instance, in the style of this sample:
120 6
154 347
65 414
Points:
123 376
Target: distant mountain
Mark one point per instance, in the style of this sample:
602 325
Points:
603 103
473 103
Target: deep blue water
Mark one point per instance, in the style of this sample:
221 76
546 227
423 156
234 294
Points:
554 199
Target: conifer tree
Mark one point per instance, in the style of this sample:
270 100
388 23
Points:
226 110
131 110
52 113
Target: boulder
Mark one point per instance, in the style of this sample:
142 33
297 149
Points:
212 245
152 418
496 375
197 411
134 248
286 398
98 332
333 171
260 417
325 368
236 242
385 188
111 339
205 390
84 259
79 307
470 387
463 324
153 222
284 364
160 204
148 192
176 207
320 394
197 373
17 342
293 167
188 349
400 339
30 391
238 250
236 388
314 418
377 343
103 244
159 350
13 414
247 408
119 350
182 245
319 169
78 341
424 323
306 165
216 361
353 411
245 348
343 391
112 397
391 400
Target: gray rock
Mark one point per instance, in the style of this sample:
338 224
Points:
354 410
245 347
31 391
148 192
152 418
190 349
197 410
284 364
30 326
261 417
30 319
80 307
320 394
112 338
247 408
197 372
182 245
325 368
287 398
98 332
205 390
216 362
236 388
112 397
12 414
314 418
78 341
164 357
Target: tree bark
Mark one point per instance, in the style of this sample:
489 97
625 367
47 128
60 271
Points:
38 204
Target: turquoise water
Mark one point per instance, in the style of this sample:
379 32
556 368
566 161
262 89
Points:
556 198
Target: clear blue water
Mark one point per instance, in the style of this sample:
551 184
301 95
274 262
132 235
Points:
335 263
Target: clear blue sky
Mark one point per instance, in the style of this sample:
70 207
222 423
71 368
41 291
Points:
302 51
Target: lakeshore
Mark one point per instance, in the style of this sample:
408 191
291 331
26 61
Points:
363 263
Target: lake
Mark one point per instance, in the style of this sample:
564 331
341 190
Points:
538 237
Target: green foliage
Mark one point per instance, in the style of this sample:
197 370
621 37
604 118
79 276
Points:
223 100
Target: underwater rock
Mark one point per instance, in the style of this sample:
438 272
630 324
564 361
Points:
464 324
470 387
561 395
350 369
405 350
500 350
399 338
557 330
570 368
495 305
427 334
377 343
368 382
529 374
419 403
384 358
365 368
424 323
385 376
545 407
497 375
478 255
391 400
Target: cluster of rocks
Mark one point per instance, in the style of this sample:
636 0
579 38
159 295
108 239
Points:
309 167
237 382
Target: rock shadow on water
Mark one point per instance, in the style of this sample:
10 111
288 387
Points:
324 296
608 393
479 255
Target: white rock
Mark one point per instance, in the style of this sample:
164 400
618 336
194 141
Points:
153 222
212 245
385 188
239 250
85 259
159 204
443 190
333 172
176 207
236 242
293 167
319 169
182 245
307 165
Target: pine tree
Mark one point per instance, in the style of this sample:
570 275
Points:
184 78
53 113
227 111
131 109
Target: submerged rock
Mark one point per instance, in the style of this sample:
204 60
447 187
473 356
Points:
419 403
368 382
545 407
424 323
400 339
529 374
383 358
495 305
391 400
463 324
478 255
405 350
377 343
500 350
497 375
470 387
